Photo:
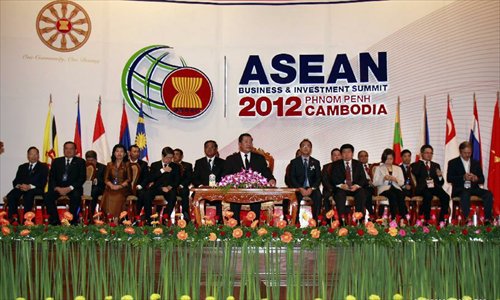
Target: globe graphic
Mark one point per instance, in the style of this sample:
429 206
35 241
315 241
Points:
143 75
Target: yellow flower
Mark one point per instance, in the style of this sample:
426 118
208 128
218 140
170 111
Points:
155 297
182 235
282 224
230 298
452 298
20 298
254 224
372 231
181 223
422 298
127 222
25 232
65 222
262 231
154 216
466 298
315 233
49 298
108 298
229 214
398 297
103 231
129 230
157 231
63 237
5 230
335 224
185 297
369 224
29 215
28 223
251 216
358 215
123 214
343 231
350 297
393 231
330 214
212 237
79 298
237 233
210 298
127 297
311 223
374 297
232 222
286 237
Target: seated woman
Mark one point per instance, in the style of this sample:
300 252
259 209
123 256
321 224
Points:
388 179
117 179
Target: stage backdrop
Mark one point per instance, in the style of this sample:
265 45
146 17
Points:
330 72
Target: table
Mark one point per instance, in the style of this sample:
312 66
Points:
243 196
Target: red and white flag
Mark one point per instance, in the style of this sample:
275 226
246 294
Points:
99 142
451 144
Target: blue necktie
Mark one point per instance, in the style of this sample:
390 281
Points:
306 166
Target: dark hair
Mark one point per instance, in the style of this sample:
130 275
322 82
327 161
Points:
464 145
31 148
297 153
361 151
69 142
333 150
179 150
426 146
240 138
387 152
117 146
91 154
210 141
133 146
167 150
347 146
306 141
405 151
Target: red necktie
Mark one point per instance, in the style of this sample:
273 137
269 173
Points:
348 178
427 166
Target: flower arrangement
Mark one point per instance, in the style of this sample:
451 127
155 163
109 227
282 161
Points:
246 179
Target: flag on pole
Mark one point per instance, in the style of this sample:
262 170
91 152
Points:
99 142
397 144
50 144
124 132
494 166
475 136
424 132
451 145
78 131
140 136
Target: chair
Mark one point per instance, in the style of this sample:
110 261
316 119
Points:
455 204
131 200
20 211
87 199
378 200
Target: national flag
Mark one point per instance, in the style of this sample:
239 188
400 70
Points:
475 136
124 132
140 136
494 166
99 142
424 132
50 143
451 144
78 131
397 144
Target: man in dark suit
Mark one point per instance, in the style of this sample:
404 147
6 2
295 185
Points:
142 182
164 178
67 175
429 182
186 170
348 179
326 178
30 181
465 175
98 181
245 159
369 189
409 186
206 166
305 174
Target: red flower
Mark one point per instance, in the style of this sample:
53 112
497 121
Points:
112 224
297 225
361 232
320 218
113 232
304 232
452 231
386 230
330 230
288 217
145 231
222 233
323 222
413 230
248 234
465 231
275 234
488 229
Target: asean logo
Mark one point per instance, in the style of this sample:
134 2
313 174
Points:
63 25
160 80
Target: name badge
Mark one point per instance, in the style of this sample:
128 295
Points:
430 183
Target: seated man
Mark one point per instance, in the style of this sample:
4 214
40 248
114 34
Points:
305 174
429 182
409 186
326 178
208 165
66 178
465 174
141 183
369 189
348 179
30 181
186 178
98 181
164 178
245 159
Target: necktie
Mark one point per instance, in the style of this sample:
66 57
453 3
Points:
427 166
165 165
247 163
210 164
348 177
306 166
30 168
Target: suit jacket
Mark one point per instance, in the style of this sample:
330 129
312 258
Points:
77 173
160 180
37 176
358 173
382 184
419 170
326 177
186 170
144 173
456 172
100 169
298 174
258 163
202 171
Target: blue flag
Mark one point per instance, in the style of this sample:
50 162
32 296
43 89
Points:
140 136
124 132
